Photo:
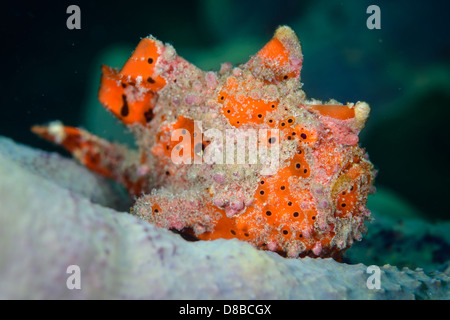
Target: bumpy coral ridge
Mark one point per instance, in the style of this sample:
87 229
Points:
313 203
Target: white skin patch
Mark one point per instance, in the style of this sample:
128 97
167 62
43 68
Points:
56 130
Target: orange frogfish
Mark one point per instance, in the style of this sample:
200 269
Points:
239 153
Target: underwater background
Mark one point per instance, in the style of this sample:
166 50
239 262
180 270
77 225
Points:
401 70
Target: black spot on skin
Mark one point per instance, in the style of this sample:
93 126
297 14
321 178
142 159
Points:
124 85
125 109
285 77
272 140
148 115
233 232
95 158
303 136
150 60
150 80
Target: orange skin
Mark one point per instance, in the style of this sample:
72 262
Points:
313 205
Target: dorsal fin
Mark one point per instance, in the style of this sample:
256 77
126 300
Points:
282 55
130 93
141 66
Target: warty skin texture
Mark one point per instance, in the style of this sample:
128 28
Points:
312 204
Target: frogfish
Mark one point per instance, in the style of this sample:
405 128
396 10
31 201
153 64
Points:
239 153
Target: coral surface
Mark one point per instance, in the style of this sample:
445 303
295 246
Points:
49 221
298 187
